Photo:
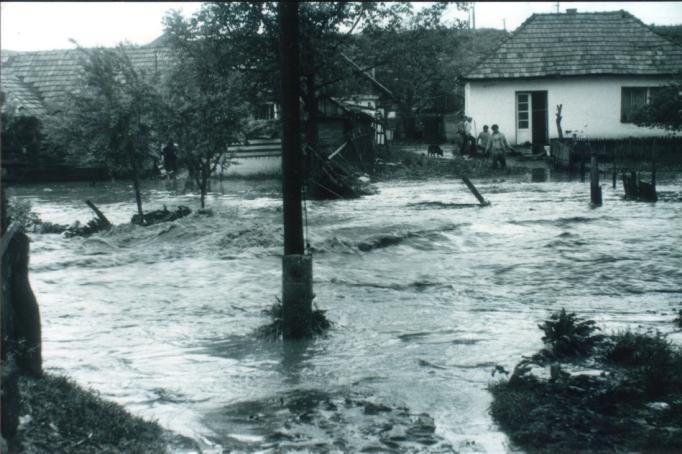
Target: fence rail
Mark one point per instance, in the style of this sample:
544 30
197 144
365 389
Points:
568 152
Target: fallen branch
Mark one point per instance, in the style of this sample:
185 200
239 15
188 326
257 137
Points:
103 219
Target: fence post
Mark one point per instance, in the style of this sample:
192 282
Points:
615 170
595 189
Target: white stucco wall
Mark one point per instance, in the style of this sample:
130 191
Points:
249 167
591 105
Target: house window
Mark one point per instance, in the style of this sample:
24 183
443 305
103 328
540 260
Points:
522 110
632 100
267 111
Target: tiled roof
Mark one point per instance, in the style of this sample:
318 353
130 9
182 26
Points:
548 45
53 74
20 96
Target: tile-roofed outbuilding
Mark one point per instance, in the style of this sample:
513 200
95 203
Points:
53 74
577 44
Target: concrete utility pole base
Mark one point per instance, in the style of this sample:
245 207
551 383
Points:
297 295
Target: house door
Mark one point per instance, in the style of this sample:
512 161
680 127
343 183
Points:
539 134
531 118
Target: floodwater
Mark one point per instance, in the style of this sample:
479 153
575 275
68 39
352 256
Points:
427 294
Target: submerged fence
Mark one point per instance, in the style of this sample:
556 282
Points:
569 152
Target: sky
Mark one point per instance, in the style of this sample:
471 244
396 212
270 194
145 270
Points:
29 26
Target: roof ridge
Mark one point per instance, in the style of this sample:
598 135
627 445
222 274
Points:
534 48
584 13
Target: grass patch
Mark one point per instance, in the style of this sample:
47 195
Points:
60 416
405 164
623 392
274 330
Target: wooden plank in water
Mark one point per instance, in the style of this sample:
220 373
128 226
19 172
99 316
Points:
99 214
475 192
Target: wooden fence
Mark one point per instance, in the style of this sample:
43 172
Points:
570 152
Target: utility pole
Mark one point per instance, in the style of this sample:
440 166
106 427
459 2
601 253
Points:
297 267
504 24
473 14
557 7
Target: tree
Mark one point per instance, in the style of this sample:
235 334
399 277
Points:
664 109
243 37
204 110
109 120
422 63
21 133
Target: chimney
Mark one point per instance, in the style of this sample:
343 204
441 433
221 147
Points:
571 11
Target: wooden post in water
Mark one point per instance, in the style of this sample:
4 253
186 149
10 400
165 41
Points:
582 166
595 189
615 170
475 192
297 282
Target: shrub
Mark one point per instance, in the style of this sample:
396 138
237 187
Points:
567 335
652 362
20 212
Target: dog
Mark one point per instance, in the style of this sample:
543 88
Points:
435 150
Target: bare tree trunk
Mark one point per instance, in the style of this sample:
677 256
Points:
204 182
558 121
136 187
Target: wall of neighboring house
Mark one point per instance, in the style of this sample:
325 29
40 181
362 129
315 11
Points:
250 167
591 105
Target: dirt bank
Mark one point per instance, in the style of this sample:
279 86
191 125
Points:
56 415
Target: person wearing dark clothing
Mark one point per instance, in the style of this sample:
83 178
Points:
170 157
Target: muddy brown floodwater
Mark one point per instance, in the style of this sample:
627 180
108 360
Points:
427 294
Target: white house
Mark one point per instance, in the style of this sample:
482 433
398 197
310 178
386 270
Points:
598 66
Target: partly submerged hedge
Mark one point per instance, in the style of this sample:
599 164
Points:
616 393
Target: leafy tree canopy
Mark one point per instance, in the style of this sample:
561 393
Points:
665 109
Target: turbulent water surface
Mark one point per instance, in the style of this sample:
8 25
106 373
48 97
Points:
426 291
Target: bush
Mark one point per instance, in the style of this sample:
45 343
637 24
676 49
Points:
653 363
21 213
567 335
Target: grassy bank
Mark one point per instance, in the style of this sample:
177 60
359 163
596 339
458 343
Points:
56 415
587 392
407 162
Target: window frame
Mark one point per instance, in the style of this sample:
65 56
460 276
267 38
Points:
628 109
527 110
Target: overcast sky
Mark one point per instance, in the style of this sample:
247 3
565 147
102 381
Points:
49 25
